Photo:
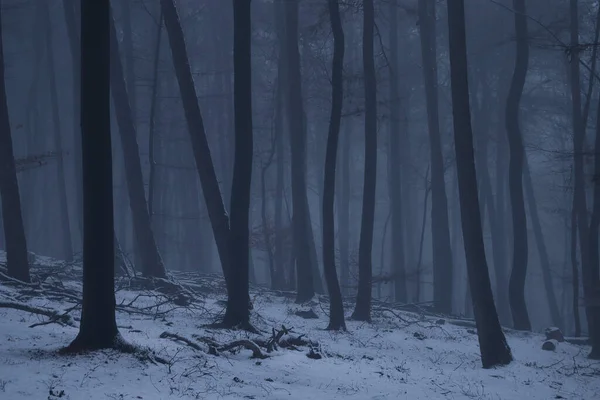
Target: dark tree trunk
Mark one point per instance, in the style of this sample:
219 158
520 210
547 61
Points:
295 113
237 312
592 300
66 241
69 8
493 346
362 312
541 246
440 230
14 232
152 264
395 164
575 269
516 285
98 327
336 306
204 163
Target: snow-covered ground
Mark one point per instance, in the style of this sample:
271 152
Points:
399 356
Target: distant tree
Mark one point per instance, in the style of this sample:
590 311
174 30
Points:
151 260
98 327
493 346
307 271
516 285
336 306
362 312
14 232
440 228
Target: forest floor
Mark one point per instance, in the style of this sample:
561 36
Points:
402 355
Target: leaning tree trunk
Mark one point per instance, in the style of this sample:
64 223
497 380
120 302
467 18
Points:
336 306
516 285
14 232
493 346
67 242
98 327
362 311
440 230
395 164
204 163
152 264
300 220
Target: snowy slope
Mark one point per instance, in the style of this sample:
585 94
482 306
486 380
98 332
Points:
400 356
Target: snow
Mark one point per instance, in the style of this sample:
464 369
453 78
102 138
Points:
413 358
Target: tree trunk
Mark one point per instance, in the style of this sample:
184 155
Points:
336 306
14 232
67 242
493 346
395 164
440 230
295 113
237 312
204 163
541 246
343 212
362 312
98 327
516 285
152 128
152 264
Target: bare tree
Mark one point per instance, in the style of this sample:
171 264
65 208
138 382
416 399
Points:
14 232
362 311
336 306
493 346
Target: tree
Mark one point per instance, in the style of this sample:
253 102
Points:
493 346
237 312
440 230
516 284
308 278
394 172
98 327
12 218
336 305
362 312
152 264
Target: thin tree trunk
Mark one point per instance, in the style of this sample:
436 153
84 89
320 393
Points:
516 285
152 128
395 164
493 346
440 231
152 264
14 232
541 246
362 311
344 212
67 242
336 306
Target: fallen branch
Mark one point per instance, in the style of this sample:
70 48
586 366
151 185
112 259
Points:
54 315
178 338
215 348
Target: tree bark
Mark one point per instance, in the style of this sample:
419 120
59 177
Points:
336 306
152 264
14 232
98 328
493 346
440 230
516 285
362 311
152 128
